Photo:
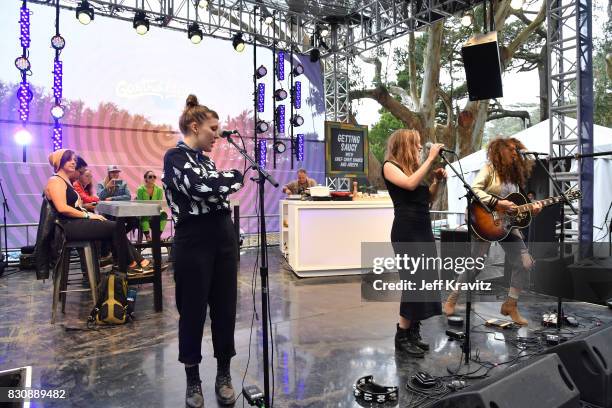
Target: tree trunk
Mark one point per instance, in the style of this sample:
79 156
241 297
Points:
431 81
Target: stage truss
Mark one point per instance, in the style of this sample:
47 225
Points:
357 26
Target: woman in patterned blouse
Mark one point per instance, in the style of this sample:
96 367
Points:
205 247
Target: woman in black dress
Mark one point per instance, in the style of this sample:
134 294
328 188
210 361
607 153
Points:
405 177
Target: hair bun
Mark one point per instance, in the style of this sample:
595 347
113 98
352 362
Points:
192 101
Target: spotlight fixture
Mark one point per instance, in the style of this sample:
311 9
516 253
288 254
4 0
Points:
141 23
297 95
299 147
57 111
261 72
268 18
323 31
58 42
280 119
279 147
517 4
466 20
262 127
194 33
203 4
298 70
280 66
238 42
22 63
280 94
297 120
84 13
263 152
315 54
261 95
23 137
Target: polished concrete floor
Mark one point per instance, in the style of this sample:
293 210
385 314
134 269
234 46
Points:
325 338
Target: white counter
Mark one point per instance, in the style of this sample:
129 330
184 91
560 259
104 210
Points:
323 238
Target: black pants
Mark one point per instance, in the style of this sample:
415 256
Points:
205 272
79 229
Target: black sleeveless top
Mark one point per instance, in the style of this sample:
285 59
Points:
406 201
72 197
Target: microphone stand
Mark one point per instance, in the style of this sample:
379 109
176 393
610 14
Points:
262 177
558 190
5 209
470 196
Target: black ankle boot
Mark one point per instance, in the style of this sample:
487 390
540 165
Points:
415 329
223 384
193 394
404 343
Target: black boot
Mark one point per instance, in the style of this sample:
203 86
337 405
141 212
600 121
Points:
404 343
415 329
223 384
193 394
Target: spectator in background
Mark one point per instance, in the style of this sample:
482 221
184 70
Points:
113 188
83 185
531 196
302 183
150 191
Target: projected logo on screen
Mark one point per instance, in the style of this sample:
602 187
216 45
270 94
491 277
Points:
150 87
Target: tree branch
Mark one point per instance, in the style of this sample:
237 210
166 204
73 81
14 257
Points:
381 95
497 111
521 16
404 95
445 98
521 37
377 68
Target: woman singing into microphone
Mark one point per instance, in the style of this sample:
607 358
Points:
405 177
206 263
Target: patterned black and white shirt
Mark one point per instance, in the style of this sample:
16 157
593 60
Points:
194 186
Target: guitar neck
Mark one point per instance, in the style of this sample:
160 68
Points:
545 203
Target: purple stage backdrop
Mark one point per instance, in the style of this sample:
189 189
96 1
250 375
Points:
109 134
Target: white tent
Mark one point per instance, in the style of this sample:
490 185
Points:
536 138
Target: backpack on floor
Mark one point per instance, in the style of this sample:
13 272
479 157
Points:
112 306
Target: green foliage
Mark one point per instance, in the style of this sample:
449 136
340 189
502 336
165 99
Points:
379 133
602 84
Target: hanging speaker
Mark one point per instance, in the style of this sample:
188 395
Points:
482 67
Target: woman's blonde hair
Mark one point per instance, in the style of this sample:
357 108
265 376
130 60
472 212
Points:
402 148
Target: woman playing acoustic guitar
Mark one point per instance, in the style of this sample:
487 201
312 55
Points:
505 172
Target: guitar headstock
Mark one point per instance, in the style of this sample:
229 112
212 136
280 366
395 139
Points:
573 194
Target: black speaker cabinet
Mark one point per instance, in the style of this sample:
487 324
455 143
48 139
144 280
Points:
592 280
552 277
15 378
482 67
541 232
588 360
454 243
536 383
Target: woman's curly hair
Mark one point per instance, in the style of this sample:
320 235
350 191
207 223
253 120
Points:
510 166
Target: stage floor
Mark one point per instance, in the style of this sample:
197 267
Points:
325 338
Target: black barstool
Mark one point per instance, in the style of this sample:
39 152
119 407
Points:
62 270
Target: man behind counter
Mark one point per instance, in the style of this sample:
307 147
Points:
301 184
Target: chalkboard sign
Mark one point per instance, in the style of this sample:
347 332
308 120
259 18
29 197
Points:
346 149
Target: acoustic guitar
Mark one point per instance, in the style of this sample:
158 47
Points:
496 225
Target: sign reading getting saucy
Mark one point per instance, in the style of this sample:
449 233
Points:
346 149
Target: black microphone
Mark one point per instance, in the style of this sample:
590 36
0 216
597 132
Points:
227 133
526 152
429 145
